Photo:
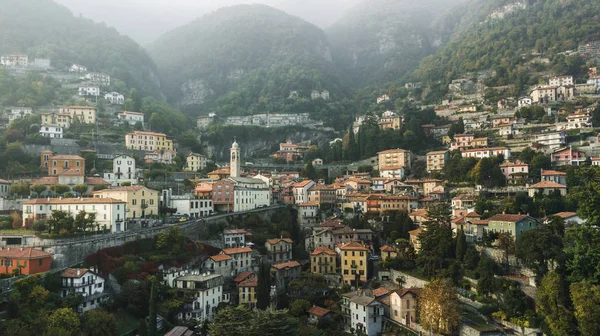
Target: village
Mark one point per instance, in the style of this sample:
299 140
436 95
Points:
362 238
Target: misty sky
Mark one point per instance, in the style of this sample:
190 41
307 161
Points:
146 20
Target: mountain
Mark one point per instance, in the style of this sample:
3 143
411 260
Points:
244 59
42 28
381 40
505 34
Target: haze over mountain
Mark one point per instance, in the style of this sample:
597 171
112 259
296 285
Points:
244 57
146 20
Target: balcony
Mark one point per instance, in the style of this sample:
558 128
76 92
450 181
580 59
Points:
354 266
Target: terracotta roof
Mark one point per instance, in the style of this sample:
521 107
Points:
308 204
95 181
473 215
180 331
125 188
462 197
24 253
404 291
565 215
416 231
380 292
130 112
484 149
302 184
66 157
287 265
458 220
552 173
322 250
235 250
420 213
249 282
277 240
387 248
513 164
242 276
547 184
438 152
74 201
71 172
507 218
479 222
48 180
4 181
72 272
318 311
147 133
235 231
353 246
220 257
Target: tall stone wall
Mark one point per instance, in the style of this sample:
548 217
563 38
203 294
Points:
69 252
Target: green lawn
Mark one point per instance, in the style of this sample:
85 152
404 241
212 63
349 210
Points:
126 322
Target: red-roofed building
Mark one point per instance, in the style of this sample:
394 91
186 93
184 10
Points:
354 261
511 224
25 260
242 258
554 176
235 238
247 290
315 313
323 260
279 249
284 273
300 191
567 156
388 252
547 188
220 264
85 283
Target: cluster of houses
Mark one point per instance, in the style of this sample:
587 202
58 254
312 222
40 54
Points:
263 120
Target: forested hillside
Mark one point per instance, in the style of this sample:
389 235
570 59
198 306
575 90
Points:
379 41
243 60
503 42
42 28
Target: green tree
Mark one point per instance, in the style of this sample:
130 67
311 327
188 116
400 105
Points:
513 302
581 247
586 300
97 322
439 307
538 247
63 321
80 188
554 305
60 189
232 321
437 245
263 290
487 269
19 189
38 189
461 245
152 310
309 171
299 307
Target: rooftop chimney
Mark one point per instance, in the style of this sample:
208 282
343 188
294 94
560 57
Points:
78 272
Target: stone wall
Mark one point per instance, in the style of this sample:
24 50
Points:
70 252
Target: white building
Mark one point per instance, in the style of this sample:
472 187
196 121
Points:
382 99
78 68
235 161
525 101
110 213
308 214
366 313
207 293
49 131
192 207
486 152
131 118
89 90
86 283
300 191
392 172
221 264
249 194
242 258
15 113
552 139
98 78
124 170
42 63
14 60
315 94
235 238
160 156
115 98
579 120
561 81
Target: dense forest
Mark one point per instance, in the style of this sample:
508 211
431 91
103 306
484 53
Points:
42 28
243 60
544 28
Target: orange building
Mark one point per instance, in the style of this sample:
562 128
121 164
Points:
56 164
27 260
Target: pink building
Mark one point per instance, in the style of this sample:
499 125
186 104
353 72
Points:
514 172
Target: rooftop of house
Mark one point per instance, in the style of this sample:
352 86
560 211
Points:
302 184
124 188
564 215
74 272
220 257
278 240
416 231
235 231
322 250
74 201
251 281
553 173
236 250
438 152
507 218
353 246
286 265
65 157
380 292
23 253
392 151
547 185
318 311
242 276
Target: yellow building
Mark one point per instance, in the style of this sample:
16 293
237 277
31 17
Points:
323 261
195 162
395 158
141 201
85 114
148 141
247 292
56 119
388 252
354 261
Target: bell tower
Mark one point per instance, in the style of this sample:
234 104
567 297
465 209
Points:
234 165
